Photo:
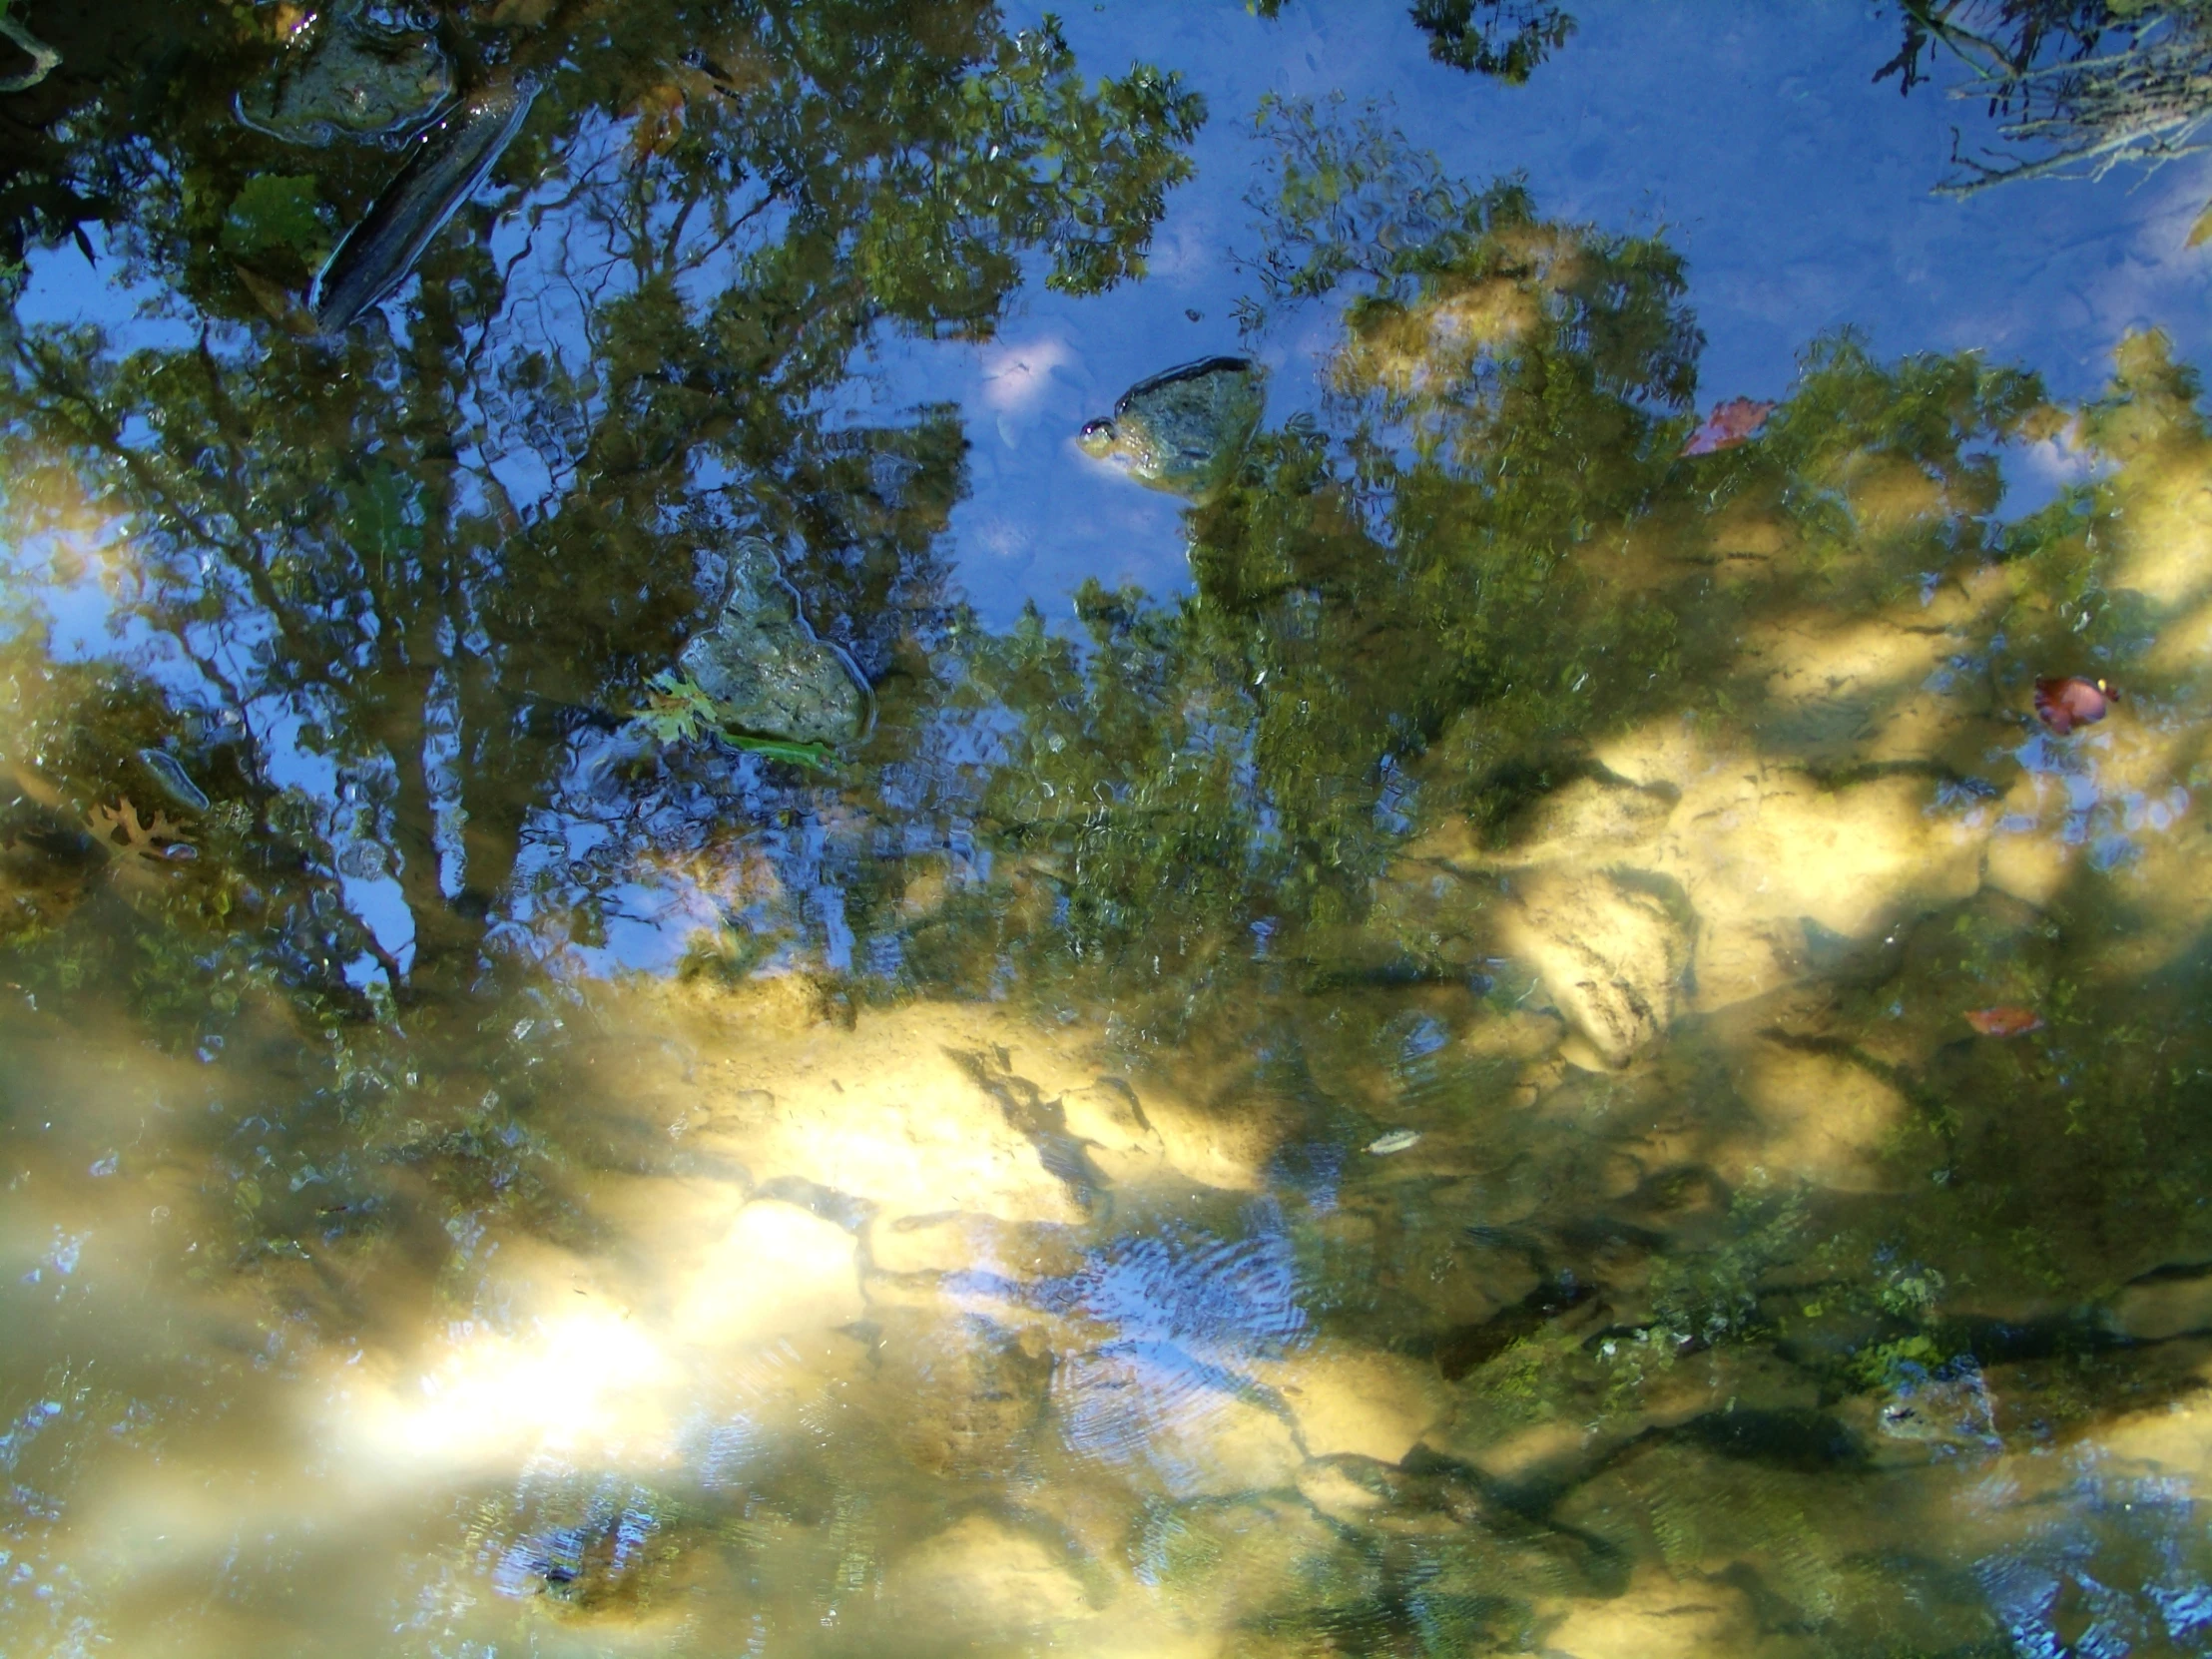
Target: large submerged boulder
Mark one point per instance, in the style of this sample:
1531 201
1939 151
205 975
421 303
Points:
1183 430
764 665
343 76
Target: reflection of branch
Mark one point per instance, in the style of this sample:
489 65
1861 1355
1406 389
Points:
2144 103
1924 23
44 59
81 408
2147 142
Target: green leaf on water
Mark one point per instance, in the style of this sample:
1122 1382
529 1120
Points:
677 709
818 755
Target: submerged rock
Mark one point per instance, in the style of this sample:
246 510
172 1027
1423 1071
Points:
344 77
586 1544
1833 1116
1611 950
1352 1402
986 1581
764 665
780 1269
909 1131
964 1392
1662 1616
2168 1301
1182 430
1948 1409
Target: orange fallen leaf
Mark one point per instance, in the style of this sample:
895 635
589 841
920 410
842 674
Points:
2064 704
2004 1021
1731 424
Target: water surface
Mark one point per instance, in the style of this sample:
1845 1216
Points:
1560 1010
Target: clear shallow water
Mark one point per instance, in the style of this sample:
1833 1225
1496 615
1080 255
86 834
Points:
1571 1040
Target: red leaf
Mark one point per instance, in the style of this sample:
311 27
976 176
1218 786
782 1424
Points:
2064 704
1730 424
2004 1022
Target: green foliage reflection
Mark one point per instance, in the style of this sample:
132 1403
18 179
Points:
747 198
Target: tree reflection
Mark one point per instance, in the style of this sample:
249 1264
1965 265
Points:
1435 598
426 574
425 558
1434 614
1506 40
1631 831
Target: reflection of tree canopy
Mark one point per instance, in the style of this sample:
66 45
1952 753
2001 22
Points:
1507 40
2081 86
2006 35
1424 618
443 565
1504 388
1434 604
430 557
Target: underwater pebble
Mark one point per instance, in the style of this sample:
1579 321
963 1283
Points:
2062 704
1948 1409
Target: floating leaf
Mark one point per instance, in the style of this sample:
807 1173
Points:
2006 1021
2201 231
2064 704
1734 422
677 709
1397 1139
141 852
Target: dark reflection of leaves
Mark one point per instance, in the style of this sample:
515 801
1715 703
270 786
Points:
1506 40
2003 33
